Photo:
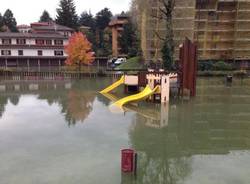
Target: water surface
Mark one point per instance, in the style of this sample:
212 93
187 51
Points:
63 132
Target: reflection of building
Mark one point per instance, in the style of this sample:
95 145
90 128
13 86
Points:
199 127
220 28
75 102
42 45
32 86
116 26
155 116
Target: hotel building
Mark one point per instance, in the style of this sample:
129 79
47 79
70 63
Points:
42 46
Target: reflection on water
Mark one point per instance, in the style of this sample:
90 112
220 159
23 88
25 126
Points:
75 102
204 140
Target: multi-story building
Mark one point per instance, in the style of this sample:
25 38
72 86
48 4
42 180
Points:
116 26
24 28
42 46
220 28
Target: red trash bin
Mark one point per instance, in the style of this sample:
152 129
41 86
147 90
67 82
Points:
127 160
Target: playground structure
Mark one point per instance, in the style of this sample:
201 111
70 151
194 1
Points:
152 86
155 85
155 116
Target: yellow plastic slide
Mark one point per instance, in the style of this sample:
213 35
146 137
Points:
140 96
114 85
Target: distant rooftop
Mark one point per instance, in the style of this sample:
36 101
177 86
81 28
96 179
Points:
31 35
23 26
53 27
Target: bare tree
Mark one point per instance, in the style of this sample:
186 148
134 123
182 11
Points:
166 8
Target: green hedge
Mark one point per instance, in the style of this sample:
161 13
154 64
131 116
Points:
214 66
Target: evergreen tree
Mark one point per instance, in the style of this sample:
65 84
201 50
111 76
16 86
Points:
128 40
87 19
103 18
102 21
66 14
1 22
45 17
9 20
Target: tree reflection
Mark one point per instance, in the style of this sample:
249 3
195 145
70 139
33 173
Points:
160 157
3 103
201 126
14 99
76 103
78 106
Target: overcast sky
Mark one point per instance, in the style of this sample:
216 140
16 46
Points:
27 11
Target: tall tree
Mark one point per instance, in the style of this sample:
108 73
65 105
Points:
102 21
45 17
103 18
1 22
9 20
168 42
66 14
79 50
87 19
128 40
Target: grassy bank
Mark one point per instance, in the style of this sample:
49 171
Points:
132 64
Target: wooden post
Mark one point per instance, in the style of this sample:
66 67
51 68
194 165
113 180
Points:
188 68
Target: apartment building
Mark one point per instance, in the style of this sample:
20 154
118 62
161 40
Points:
42 46
220 28
116 26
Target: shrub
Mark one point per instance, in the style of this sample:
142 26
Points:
205 65
221 65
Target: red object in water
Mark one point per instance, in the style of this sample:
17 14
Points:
127 160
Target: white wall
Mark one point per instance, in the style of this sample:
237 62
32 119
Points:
33 52
32 41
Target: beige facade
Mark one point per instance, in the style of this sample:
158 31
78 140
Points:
116 27
221 28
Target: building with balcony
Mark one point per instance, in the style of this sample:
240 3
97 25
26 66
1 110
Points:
116 26
42 46
220 28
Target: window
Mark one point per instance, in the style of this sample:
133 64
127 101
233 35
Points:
48 42
58 53
39 52
58 42
20 41
39 42
20 52
5 52
66 33
6 41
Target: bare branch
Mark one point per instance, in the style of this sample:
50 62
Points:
158 35
155 16
163 11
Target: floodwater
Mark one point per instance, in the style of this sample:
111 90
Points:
64 133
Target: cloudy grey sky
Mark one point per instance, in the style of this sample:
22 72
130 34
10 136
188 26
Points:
26 11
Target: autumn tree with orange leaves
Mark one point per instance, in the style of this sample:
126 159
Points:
79 50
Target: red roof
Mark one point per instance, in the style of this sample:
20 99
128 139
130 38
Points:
23 26
35 24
